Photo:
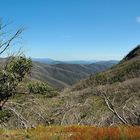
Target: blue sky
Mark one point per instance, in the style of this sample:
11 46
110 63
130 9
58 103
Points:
76 29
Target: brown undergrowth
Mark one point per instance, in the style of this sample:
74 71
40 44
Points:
72 133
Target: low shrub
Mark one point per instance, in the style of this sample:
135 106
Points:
41 88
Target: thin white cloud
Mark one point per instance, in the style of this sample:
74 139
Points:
138 19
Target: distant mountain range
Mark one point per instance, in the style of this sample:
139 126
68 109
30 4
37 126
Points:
61 74
51 61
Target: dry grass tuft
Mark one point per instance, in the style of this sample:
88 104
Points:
72 133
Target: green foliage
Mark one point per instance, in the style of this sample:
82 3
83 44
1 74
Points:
100 78
12 75
4 115
7 84
20 66
38 88
41 88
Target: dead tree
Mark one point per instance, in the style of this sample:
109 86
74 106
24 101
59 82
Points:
130 113
110 105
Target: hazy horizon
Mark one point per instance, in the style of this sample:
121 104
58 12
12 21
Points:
76 59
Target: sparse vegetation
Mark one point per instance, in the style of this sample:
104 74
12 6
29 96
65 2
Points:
82 107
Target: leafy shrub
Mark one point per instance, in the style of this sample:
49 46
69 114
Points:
4 115
41 88
19 66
